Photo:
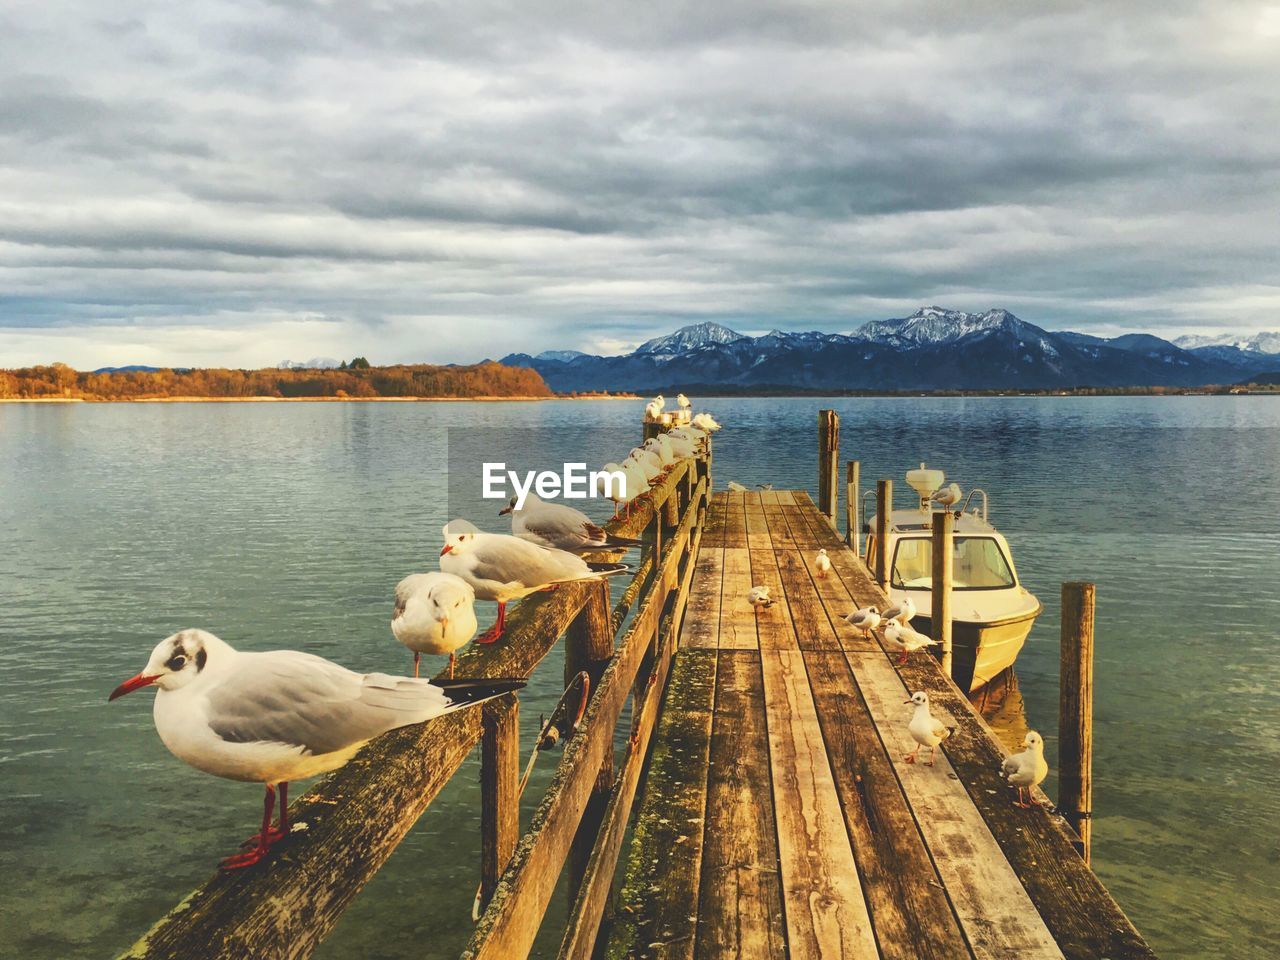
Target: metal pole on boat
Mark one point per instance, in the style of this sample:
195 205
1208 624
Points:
1075 712
940 616
884 506
852 499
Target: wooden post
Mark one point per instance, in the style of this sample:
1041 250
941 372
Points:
1075 712
852 501
884 506
653 429
499 790
941 588
828 463
588 645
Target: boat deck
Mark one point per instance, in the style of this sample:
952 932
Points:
778 817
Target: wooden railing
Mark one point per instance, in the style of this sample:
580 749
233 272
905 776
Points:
356 817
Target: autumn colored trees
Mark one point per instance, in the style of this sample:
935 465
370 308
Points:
358 380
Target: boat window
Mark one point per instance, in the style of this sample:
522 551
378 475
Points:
977 563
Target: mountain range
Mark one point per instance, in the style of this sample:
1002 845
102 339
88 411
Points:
933 349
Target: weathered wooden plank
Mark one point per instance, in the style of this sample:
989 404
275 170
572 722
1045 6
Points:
826 914
773 623
994 909
716 510
508 927
737 621
810 610
909 907
657 905
757 525
702 615
785 497
735 520
499 790
739 905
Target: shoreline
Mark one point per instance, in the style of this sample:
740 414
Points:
480 399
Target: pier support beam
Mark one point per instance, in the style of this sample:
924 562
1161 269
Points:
940 616
852 502
828 464
1075 712
499 791
884 506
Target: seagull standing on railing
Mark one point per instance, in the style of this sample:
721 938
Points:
660 447
561 527
275 717
653 409
648 462
1027 770
504 568
434 613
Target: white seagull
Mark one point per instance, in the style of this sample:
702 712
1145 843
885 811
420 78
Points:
926 729
901 612
736 487
1027 769
649 463
504 568
865 620
949 495
560 527
759 598
434 613
822 563
275 717
683 402
903 640
660 446
653 409
707 422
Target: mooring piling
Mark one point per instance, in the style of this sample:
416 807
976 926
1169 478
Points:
940 616
884 506
828 463
852 501
1075 712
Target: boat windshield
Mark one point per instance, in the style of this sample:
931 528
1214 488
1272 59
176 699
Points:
978 563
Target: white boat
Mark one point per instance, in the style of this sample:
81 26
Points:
991 612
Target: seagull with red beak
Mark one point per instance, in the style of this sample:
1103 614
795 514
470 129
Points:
504 568
274 717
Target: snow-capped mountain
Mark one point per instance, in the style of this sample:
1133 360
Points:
689 338
1264 341
563 356
933 349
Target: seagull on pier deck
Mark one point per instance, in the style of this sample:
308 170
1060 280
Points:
865 620
905 641
949 495
275 717
736 487
759 598
926 729
503 568
1027 769
434 613
560 526
822 563
901 612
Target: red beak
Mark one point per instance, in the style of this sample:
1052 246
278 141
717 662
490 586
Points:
446 549
132 684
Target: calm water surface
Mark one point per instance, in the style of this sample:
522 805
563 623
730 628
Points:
288 524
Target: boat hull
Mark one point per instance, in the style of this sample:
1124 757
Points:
982 651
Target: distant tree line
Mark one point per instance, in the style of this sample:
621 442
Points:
358 380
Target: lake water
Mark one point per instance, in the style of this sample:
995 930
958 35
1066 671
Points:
288 525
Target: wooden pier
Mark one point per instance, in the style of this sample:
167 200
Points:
771 812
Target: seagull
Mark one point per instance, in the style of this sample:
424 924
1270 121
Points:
823 563
275 717
949 495
736 487
765 486
865 620
609 488
926 729
649 462
434 613
653 409
682 444
759 598
683 402
706 422
1027 769
902 611
560 526
504 568
660 447
905 641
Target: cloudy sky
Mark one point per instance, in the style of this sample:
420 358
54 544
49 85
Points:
223 182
